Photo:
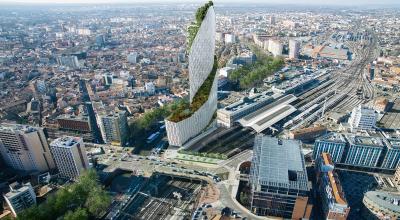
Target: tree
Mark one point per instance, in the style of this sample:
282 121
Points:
78 214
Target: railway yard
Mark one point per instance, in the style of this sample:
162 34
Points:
161 197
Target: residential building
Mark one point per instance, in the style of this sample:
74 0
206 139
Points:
362 118
78 123
20 197
275 47
230 39
294 49
201 64
396 178
332 143
70 156
278 178
114 127
331 196
150 88
25 148
132 57
308 134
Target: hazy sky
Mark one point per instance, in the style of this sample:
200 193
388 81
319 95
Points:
324 2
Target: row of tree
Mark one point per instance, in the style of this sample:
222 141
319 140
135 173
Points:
204 154
252 75
84 199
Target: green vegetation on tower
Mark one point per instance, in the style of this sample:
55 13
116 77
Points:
185 110
195 26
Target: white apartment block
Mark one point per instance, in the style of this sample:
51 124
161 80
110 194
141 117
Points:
70 156
25 148
20 197
362 118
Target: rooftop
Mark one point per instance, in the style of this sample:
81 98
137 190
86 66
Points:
66 141
9 128
280 163
16 189
385 200
364 140
333 137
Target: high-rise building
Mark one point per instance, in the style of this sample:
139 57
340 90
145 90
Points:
362 118
396 178
70 156
20 197
25 148
332 143
275 47
278 178
114 127
132 57
230 39
272 20
183 125
331 195
294 49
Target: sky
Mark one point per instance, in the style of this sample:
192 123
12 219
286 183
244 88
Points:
297 2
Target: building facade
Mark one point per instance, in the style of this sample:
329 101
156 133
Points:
20 197
332 143
362 118
70 156
278 178
363 151
114 128
294 49
201 65
331 195
25 148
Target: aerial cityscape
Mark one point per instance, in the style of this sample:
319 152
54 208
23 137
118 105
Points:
199 110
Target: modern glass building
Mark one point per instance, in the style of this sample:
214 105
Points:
363 150
278 178
191 120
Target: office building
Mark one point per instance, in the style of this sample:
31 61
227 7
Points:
392 154
25 148
20 197
70 156
294 49
381 205
202 65
332 143
363 150
362 118
114 127
331 195
278 178
68 61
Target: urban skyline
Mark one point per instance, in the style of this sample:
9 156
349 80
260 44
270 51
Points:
172 110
